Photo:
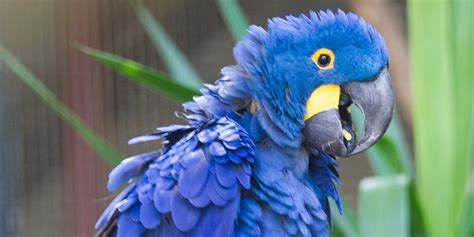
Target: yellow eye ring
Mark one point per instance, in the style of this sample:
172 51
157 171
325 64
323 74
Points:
323 58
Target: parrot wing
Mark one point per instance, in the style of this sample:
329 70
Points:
191 187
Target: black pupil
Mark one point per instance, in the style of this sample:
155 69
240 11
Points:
324 60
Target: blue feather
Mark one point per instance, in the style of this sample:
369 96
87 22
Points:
185 215
149 216
135 213
192 180
126 227
184 180
162 200
211 191
128 169
201 200
225 175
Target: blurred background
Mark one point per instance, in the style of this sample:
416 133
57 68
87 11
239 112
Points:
51 182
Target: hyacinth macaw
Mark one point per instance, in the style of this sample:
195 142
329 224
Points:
257 155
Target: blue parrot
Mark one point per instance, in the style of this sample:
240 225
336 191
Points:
257 154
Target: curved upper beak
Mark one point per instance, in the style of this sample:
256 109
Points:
328 122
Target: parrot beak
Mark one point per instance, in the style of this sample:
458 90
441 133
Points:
328 122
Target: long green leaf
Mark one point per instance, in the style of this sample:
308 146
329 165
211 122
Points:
178 65
234 18
441 39
147 77
388 157
417 225
92 139
463 44
467 223
384 206
402 162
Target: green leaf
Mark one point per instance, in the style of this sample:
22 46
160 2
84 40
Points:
384 206
234 18
175 61
417 225
145 76
385 157
463 44
344 225
441 39
97 143
467 223
390 155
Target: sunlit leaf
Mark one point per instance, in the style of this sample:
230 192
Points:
147 77
467 223
386 157
441 39
176 62
384 208
463 25
97 143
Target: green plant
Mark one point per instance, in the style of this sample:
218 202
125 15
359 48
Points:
97 143
149 78
442 42
438 202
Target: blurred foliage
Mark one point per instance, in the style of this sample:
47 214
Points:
390 155
147 77
375 195
234 18
392 203
175 60
97 143
441 39
345 225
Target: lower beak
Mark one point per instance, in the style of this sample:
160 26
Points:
328 123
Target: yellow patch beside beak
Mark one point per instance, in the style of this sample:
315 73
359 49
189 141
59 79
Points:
325 97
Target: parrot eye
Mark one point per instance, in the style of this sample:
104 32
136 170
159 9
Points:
324 58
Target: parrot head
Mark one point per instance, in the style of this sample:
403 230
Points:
307 71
